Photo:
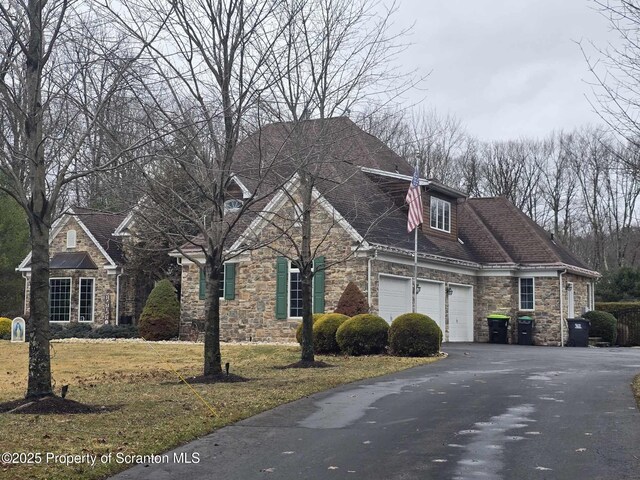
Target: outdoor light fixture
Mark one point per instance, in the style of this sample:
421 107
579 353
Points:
449 291
418 288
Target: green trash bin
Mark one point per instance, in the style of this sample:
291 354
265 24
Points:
498 328
525 330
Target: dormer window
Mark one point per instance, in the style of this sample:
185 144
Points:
232 205
440 214
71 239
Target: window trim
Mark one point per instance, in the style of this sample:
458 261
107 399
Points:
93 299
72 238
533 294
70 287
291 270
435 202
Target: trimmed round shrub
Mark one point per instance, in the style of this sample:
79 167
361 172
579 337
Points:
5 328
352 301
160 318
363 334
603 324
316 317
324 332
414 335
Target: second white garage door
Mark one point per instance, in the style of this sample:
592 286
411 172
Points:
394 297
461 314
431 301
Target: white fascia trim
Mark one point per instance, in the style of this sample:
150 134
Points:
399 176
346 226
268 212
245 191
126 223
436 263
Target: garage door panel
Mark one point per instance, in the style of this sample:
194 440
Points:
394 297
461 314
431 301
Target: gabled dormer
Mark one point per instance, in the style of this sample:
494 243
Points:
440 210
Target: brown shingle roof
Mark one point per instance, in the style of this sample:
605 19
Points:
102 225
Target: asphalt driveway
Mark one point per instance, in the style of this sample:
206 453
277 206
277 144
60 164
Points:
486 412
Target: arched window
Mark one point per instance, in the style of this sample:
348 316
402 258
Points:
232 205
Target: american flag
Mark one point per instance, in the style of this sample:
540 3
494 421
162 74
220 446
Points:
414 199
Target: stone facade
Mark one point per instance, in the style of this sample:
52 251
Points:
105 281
251 315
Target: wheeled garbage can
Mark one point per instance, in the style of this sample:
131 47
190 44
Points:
578 332
525 330
498 327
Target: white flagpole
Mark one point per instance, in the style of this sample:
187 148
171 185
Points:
415 270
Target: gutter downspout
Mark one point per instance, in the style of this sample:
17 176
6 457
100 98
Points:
562 309
26 282
118 298
371 258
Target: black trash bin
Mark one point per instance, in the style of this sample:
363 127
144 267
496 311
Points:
498 326
525 330
578 332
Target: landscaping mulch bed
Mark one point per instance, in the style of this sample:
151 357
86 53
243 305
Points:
50 405
219 378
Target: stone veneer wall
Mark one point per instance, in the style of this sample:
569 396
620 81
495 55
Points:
493 295
251 315
104 283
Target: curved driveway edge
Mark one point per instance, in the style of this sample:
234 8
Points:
486 412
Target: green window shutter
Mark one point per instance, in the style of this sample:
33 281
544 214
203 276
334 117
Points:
203 285
229 281
282 284
318 285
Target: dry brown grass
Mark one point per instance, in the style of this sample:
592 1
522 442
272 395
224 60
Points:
635 386
156 413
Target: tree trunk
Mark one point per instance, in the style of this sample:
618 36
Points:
39 378
212 354
306 274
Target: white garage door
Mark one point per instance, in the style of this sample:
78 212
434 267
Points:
394 297
461 314
431 301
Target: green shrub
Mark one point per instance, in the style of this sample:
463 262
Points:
363 335
70 330
316 317
160 318
5 328
352 301
414 335
324 333
115 331
614 307
603 324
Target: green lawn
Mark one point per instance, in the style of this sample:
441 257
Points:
155 412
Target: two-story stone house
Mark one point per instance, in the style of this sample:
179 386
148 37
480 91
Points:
475 255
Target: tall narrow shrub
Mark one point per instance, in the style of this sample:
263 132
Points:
352 301
160 319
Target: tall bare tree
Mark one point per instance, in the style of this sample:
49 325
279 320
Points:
44 126
211 67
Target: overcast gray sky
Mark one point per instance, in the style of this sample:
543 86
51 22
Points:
505 68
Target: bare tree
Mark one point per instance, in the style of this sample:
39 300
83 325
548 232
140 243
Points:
335 56
44 126
211 67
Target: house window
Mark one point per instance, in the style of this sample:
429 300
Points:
71 239
295 293
440 214
232 205
527 296
203 285
86 302
59 299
